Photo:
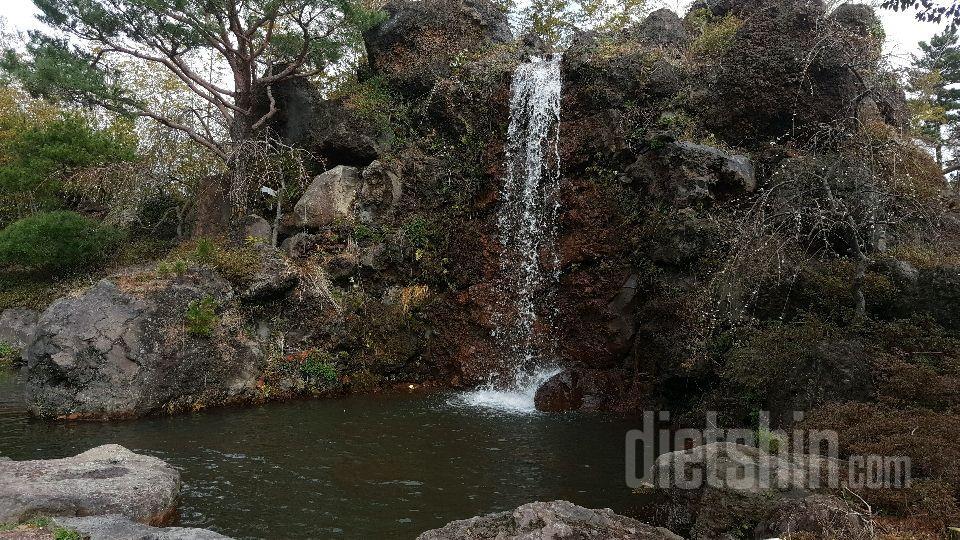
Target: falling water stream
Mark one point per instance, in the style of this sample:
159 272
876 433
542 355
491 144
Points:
530 199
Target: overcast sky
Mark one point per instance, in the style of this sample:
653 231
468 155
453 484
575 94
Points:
903 31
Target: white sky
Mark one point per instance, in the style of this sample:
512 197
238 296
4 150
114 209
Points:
903 31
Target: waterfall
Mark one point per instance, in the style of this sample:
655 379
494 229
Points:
529 203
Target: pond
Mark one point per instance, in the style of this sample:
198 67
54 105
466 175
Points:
360 467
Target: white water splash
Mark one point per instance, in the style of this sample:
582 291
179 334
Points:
513 400
530 200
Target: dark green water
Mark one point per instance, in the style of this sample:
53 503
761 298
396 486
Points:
364 467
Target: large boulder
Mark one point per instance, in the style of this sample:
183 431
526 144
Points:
272 279
256 229
786 69
108 479
118 527
123 348
686 174
334 131
717 489
416 45
381 191
329 198
342 135
643 63
16 327
555 520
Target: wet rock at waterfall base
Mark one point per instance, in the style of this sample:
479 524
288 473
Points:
108 479
580 389
559 520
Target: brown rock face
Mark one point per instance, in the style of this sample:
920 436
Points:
580 389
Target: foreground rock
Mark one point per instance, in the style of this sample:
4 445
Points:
556 520
745 488
108 479
117 527
124 348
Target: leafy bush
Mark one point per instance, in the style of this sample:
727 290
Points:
201 317
56 241
417 232
175 267
40 145
318 365
205 251
716 33
66 534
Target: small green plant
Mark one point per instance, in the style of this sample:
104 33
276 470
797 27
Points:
201 317
365 234
66 534
768 441
176 267
179 267
39 522
205 251
318 365
8 354
417 232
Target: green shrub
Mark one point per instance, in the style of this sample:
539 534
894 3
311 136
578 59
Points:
176 267
56 241
319 366
40 145
768 441
417 232
365 234
716 33
66 534
201 317
205 251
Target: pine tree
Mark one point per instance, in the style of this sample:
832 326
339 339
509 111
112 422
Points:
935 101
257 43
